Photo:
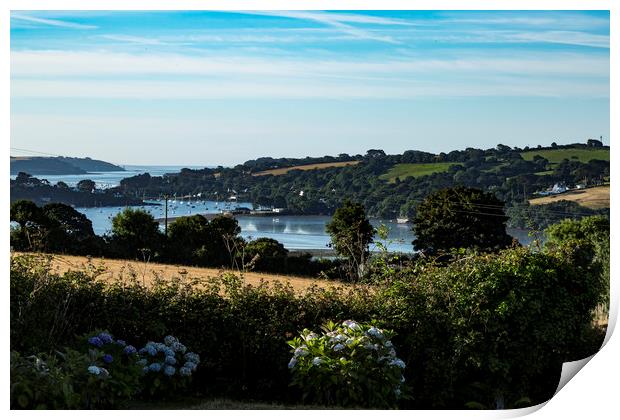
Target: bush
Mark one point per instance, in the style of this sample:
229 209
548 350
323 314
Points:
38 382
114 371
506 321
350 365
166 366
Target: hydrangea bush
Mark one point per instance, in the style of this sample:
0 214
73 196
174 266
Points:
113 370
166 365
350 364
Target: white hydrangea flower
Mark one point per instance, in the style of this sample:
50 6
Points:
316 361
301 351
375 332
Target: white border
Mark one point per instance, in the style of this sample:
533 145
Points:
592 394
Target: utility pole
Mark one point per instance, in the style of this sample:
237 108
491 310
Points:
166 216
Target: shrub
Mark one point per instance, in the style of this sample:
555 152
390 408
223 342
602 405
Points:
166 366
506 321
114 371
350 364
38 382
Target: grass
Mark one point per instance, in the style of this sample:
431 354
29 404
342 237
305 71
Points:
309 167
594 198
220 404
404 170
558 155
148 272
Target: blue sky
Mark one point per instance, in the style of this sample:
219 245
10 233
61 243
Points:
220 88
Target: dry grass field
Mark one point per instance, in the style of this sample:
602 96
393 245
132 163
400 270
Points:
310 167
594 198
147 272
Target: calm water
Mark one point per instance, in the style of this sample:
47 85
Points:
113 179
294 232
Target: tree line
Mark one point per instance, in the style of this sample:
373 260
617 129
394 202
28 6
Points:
449 219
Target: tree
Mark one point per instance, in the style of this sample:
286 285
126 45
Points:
186 235
33 226
460 218
265 254
69 230
351 234
593 231
86 185
135 233
223 244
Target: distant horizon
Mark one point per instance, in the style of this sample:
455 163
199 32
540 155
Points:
190 86
200 165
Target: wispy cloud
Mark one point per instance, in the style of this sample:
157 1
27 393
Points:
51 22
113 75
140 40
342 21
110 64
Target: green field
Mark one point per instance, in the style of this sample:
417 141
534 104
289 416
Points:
403 170
558 155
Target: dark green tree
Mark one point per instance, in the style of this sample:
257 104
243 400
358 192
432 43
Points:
135 234
33 226
86 185
592 231
460 218
186 235
351 234
265 254
69 230
224 246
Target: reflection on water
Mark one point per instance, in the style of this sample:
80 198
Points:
295 232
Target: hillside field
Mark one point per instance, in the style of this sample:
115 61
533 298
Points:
146 273
558 155
404 170
594 198
309 167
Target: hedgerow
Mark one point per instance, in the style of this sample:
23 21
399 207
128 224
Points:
483 329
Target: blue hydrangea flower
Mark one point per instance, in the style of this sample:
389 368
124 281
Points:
142 362
108 358
191 366
316 361
292 362
397 362
178 347
105 337
95 341
185 371
94 370
121 343
161 347
338 347
154 367
145 369
169 352
170 340
169 370
129 349
192 357
375 332
151 350
170 360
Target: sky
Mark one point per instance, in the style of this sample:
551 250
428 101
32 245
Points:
219 88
